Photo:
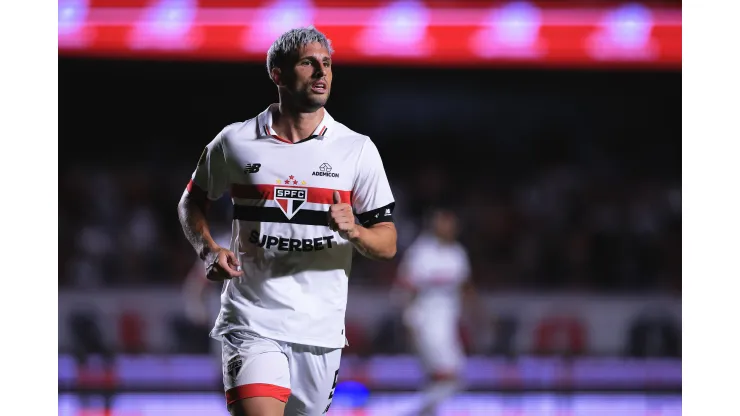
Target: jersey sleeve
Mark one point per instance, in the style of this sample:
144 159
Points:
410 270
211 175
406 267
372 198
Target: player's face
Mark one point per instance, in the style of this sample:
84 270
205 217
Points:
445 226
308 82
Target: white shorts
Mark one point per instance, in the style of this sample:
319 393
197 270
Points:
439 349
302 376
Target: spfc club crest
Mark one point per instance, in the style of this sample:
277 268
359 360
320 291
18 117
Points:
233 367
290 200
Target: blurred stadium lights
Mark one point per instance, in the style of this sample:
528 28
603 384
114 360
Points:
167 24
407 31
625 33
176 372
71 21
399 29
271 21
72 14
513 30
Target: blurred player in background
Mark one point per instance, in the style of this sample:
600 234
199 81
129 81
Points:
296 176
434 277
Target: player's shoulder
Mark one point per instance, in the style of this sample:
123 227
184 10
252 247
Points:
239 131
345 135
460 249
421 244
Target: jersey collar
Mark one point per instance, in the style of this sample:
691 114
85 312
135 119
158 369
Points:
264 123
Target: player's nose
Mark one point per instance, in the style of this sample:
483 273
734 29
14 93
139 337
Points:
319 71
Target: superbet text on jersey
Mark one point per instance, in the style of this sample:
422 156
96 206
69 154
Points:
295 268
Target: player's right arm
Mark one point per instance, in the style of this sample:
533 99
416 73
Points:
405 286
208 183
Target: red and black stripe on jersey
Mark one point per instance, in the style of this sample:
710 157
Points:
265 192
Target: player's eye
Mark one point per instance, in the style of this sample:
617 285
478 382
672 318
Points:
304 63
327 64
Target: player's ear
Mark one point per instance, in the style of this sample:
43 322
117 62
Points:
276 76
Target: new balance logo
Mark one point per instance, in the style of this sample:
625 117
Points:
252 168
325 170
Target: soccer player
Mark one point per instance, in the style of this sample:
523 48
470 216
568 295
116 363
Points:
434 275
296 178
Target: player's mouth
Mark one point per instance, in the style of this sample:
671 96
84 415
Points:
319 87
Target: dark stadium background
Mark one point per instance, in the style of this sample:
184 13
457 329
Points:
568 181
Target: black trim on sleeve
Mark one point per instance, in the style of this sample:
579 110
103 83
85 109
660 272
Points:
382 214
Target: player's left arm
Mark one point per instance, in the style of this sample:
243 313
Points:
377 242
372 200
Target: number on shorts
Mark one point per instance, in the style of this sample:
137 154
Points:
331 393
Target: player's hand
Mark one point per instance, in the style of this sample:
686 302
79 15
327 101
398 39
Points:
342 219
222 264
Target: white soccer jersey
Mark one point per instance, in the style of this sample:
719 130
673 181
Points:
295 268
435 271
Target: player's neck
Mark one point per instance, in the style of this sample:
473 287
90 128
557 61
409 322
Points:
445 241
294 125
